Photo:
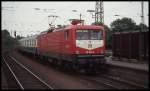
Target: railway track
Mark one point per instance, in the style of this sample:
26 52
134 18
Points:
114 79
128 83
23 77
123 84
136 77
105 85
110 82
8 76
120 78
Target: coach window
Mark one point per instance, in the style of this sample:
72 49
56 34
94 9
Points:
66 35
35 43
29 43
25 43
32 43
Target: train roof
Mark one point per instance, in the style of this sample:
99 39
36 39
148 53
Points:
84 27
29 38
72 27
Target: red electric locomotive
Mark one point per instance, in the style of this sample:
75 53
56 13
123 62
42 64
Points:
76 46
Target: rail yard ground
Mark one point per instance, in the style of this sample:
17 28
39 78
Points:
62 79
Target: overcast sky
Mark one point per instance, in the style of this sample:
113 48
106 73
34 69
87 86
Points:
32 17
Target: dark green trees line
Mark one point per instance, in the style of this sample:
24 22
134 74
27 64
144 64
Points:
8 42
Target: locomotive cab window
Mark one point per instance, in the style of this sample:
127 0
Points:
82 34
88 35
96 35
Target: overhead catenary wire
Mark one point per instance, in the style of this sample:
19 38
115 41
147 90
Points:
39 26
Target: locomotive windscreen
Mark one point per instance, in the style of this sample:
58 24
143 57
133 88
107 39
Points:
88 35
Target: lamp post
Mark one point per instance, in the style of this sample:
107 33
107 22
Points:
120 42
140 35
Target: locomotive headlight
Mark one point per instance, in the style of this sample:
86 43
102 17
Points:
77 52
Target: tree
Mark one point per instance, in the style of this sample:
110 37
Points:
7 41
108 33
5 33
124 24
19 37
140 26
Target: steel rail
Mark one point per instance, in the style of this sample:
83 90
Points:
124 81
32 73
18 82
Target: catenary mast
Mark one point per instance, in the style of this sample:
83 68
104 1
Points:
99 12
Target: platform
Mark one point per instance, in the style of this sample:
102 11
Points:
140 66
